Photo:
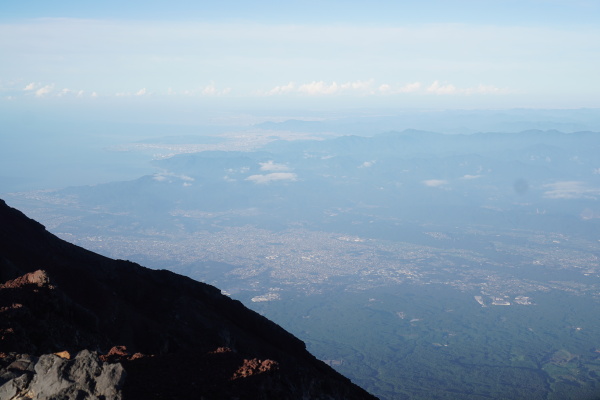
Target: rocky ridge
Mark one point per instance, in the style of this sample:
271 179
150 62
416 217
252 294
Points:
136 333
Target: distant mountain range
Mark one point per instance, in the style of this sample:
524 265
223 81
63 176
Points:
541 179
74 324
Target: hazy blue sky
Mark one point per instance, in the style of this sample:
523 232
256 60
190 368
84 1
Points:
435 54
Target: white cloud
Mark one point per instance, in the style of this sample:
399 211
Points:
275 176
163 176
316 88
64 92
322 88
469 177
282 89
210 90
571 190
435 182
367 164
364 86
271 166
385 88
410 87
40 90
442 89
44 90
369 87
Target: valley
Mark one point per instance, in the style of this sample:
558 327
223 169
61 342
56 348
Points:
420 265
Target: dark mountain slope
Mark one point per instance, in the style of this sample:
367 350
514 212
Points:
198 343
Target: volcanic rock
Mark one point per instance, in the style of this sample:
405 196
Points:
52 377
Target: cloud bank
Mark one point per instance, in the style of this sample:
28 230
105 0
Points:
368 87
571 190
273 177
434 182
272 166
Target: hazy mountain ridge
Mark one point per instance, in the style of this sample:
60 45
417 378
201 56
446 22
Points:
450 121
529 172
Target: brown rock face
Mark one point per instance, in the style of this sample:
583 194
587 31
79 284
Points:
255 367
37 278
175 337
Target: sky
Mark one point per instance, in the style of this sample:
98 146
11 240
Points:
77 76
398 54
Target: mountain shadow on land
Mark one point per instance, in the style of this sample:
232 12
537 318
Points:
75 324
